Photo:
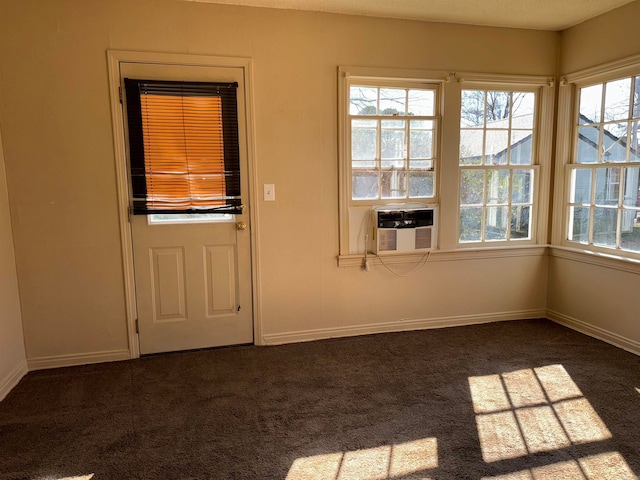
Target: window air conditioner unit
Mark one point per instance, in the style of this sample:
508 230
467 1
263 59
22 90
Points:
404 230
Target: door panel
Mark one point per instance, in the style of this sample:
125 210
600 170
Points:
193 280
168 287
220 261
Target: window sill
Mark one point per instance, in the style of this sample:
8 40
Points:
600 259
356 260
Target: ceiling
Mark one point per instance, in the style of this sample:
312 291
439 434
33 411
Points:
533 14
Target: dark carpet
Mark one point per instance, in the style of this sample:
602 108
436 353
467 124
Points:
519 400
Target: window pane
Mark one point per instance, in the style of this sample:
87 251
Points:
496 147
420 184
634 155
363 100
579 224
392 144
363 143
605 224
588 141
497 187
590 104
392 101
393 184
630 235
470 224
616 102
615 142
421 138
496 223
472 187
521 145
393 124
607 186
361 123
364 184
421 102
522 189
420 165
421 145
520 221
392 141
523 109
580 186
631 188
160 218
472 111
471 147
498 105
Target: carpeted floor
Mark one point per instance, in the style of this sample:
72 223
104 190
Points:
521 400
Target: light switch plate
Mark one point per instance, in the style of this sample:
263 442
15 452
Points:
269 192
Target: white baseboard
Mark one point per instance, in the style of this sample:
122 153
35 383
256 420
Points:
41 363
595 332
11 380
397 326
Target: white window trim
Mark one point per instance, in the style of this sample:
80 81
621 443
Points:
567 111
544 87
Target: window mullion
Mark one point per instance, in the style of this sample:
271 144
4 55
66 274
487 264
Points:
621 189
483 208
592 205
379 153
509 200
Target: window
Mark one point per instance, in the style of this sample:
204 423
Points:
604 174
497 160
474 147
184 151
392 137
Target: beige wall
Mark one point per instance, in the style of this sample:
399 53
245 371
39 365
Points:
12 356
606 38
600 300
54 106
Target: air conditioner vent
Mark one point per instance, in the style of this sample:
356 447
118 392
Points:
388 240
423 238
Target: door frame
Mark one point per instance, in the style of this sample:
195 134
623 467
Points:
114 58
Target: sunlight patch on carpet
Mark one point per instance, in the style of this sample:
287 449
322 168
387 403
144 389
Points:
78 477
607 465
380 463
531 411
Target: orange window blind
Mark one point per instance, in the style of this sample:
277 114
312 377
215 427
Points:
183 147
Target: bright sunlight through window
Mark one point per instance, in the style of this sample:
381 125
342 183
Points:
518 414
80 477
540 410
381 463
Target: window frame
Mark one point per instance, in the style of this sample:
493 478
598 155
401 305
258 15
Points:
568 114
435 118
543 126
379 78
353 219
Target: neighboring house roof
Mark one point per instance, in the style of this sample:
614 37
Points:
473 143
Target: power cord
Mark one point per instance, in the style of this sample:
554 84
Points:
423 261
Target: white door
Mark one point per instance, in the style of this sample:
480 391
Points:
193 278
